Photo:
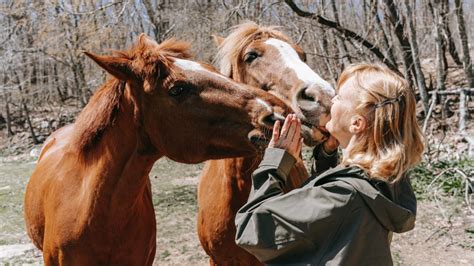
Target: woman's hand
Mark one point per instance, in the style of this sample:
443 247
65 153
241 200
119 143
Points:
290 137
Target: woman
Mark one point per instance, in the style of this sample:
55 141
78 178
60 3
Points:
345 215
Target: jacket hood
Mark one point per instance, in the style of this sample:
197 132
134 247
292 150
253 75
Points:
393 204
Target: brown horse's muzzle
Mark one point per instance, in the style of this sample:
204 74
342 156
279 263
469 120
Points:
270 110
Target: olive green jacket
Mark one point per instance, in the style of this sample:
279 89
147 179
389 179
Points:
337 218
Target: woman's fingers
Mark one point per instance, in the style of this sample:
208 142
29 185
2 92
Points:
286 125
300 145
297 134
275 134
276 130
292 128
295 141
289 138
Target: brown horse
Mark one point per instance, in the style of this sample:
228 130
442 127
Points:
266 58
88 201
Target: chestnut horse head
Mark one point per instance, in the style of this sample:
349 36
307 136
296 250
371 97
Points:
264 57
182 109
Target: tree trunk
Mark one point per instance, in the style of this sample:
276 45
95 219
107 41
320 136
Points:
57 85
398 29
463 111
8 116
466 60
27 113
323 44
159 25
341 46
379 27
30 125
440 68
420 78
448 35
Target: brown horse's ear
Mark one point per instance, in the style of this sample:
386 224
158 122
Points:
218 40
118 67
146 41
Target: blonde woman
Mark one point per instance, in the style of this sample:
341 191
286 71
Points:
344 216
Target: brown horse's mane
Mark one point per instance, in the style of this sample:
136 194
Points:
242 35
103 106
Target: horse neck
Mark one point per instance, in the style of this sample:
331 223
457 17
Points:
239 171
119 166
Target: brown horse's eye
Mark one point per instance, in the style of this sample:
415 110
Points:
250 57
176 91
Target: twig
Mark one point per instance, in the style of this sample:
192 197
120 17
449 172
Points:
425 124
438 176
331 57
266 8
436 231
451 92
301 37
92 11
437 202
168 31
465 178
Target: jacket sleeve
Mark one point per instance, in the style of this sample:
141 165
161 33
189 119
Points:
274 225
322 160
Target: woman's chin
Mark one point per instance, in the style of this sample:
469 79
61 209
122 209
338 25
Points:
329 128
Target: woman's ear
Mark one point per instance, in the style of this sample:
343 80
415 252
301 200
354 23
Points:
358 124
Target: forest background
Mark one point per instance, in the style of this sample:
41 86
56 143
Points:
45 79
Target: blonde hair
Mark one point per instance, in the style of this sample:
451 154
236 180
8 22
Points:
393 142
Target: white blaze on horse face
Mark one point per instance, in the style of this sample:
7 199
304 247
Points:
194 66
189 65
302 70
265 105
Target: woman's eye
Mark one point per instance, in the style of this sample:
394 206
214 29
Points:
176 91
250 57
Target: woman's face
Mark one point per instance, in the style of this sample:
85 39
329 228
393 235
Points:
342 112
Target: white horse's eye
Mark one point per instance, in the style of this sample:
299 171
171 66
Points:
250 57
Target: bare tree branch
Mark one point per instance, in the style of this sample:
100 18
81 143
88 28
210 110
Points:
91 11
346 32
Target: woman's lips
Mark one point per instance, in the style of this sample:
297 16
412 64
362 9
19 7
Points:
323 129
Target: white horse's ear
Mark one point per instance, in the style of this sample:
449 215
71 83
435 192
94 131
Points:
218 40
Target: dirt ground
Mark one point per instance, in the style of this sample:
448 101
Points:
444 233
